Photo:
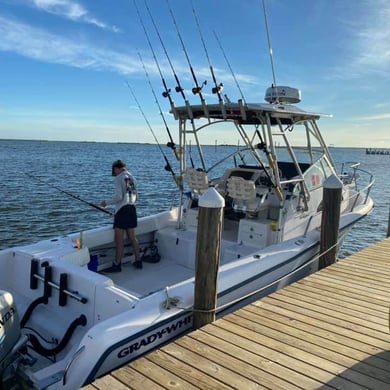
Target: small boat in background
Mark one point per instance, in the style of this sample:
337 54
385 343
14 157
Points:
377 151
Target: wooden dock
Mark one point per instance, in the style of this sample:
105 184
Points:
327 331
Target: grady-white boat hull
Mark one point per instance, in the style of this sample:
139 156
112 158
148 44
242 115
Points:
77 323
122 325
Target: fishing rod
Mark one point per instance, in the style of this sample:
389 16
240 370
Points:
171 144
168 165
178 88
72 195
197 90
217 89
190 155
228 63
167 92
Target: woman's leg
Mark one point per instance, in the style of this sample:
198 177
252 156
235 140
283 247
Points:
134 243
119 243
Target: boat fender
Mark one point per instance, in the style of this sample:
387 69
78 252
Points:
80 321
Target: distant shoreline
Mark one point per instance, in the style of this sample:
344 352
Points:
150 143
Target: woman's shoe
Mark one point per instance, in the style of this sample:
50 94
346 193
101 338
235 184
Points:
113 269
137 264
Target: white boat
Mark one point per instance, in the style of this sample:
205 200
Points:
63 324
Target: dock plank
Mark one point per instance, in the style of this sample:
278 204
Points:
327 331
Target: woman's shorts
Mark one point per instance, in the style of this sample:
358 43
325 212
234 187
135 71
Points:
126 217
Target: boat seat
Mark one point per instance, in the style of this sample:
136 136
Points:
246 199
197 181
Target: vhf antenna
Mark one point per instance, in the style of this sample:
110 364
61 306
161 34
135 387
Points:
270 53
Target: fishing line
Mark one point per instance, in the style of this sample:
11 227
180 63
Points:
197 90
217 87
228 63
71 195
168 165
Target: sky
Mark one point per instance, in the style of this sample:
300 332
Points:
86 70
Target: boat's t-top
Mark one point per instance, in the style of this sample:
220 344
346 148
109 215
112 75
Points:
271 134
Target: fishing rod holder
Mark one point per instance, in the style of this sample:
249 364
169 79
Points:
62 287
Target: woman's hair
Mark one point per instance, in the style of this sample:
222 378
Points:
117 164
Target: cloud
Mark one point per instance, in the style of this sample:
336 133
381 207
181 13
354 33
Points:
372 37
41 45
378 117
70 10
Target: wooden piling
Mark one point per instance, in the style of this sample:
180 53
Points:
388 224
330 220
208 249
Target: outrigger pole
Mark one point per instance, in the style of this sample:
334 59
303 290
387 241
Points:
167 167
71 195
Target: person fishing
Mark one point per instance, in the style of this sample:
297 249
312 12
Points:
125 218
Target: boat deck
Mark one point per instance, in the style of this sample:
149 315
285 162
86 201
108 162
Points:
329 330
178 258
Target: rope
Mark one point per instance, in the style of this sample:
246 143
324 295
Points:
171 302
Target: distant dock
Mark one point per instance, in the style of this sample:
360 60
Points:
329 330
377 151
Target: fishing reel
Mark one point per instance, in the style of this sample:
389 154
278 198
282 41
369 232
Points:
166 93
262 146
197 90
217 89
171 145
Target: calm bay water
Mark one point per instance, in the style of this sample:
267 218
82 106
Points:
31 209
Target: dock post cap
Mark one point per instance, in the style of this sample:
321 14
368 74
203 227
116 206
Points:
333 182
211 199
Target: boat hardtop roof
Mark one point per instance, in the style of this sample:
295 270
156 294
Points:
246 113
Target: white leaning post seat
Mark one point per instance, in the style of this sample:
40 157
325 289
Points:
243 193
197 181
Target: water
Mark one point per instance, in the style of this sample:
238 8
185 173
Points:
31 209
